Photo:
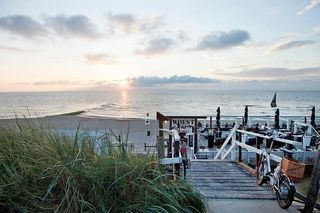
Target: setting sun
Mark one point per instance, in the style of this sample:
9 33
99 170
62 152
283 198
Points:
124 84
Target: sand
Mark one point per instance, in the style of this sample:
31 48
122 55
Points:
136 128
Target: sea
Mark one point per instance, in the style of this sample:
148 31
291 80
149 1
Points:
137 103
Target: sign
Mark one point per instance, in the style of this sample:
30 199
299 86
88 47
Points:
183 121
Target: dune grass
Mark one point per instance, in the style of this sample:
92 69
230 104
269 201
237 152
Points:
43 170
303 187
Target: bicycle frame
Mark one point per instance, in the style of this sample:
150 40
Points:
273 177
280 182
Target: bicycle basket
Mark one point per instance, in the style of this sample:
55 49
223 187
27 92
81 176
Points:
292 168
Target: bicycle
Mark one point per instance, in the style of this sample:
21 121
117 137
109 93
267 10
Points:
281 184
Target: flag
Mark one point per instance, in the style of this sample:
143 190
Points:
274 100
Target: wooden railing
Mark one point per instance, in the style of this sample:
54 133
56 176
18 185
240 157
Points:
241 143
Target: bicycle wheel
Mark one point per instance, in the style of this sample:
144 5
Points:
285 193
260 173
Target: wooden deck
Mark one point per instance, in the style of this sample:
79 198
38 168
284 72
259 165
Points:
226 180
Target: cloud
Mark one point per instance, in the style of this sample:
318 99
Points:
98 58
22 25
152 23
74 25
223 40
292 44
14 49
129 23
62 82
124 21
241 67
316 29
311 4
67 26
146 81
182 36
286 37
157 46
277 74
294 84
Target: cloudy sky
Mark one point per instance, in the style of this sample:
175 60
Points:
228 44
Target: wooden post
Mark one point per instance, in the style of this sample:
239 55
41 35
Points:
176 154
195 148
258 147
161 118
169 155
314 186
240 148
160 142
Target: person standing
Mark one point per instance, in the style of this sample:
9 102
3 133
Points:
183 151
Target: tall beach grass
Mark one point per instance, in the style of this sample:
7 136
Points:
303 187
43 170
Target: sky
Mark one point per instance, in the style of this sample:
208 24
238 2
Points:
179 44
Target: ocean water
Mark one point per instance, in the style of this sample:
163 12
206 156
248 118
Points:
136 103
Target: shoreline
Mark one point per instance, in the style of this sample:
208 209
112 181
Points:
79 113
70 121
136 129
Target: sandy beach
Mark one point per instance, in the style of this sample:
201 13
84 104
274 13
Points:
136 128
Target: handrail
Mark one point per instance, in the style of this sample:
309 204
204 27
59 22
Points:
288 141
253 134
258 151
176 137
307 125
228 151
251 148
300 123
199 138
312 128
267 137
226 142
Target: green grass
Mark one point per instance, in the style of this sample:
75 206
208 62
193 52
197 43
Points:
303 187
46 171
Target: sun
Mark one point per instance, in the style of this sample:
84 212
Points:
124 84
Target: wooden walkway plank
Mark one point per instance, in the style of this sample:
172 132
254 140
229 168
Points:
226 180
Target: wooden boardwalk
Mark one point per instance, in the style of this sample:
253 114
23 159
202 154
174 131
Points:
226 180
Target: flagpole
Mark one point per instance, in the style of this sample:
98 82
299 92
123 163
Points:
274 104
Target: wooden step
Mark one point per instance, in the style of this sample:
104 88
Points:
225 180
